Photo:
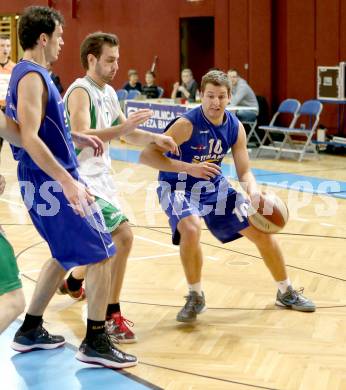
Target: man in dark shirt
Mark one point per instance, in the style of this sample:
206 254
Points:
133 82
187 89
150 90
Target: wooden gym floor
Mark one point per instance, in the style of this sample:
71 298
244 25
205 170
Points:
243 340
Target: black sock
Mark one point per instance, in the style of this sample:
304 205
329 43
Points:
112 308
74 284
30 322
94 328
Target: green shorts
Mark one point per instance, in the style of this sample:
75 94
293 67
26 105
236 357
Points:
112 215
9 273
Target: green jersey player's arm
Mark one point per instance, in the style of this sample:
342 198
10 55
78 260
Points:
78 108
9 130
143 138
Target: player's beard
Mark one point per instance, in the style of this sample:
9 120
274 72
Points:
105 77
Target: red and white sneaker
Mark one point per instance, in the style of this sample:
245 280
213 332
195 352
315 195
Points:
118 328
63 289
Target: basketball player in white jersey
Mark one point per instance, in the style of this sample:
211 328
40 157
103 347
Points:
92 107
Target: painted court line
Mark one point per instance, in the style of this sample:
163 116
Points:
156 242
153 257
12 202
58 369
310 184
166 246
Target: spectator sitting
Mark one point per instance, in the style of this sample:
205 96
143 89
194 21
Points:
55 78
150 90
133 82
188 88
242 95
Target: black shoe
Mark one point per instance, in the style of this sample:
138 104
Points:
103 352
37 338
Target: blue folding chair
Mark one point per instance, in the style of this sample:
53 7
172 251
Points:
310 109
133 93
161 91
122 94
288 106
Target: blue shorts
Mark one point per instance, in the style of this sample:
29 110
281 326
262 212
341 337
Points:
73 240
223 210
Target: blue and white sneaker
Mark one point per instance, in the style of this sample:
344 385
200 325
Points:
295 300
37 338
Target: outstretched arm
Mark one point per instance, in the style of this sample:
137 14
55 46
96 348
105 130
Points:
84 140
143 138
78 106
180 132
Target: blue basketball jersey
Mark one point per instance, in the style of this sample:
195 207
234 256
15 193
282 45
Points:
54 130
208 143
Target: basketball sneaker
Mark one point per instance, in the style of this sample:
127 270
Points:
293 299
63 289
102 351
37 338
118 328
195 304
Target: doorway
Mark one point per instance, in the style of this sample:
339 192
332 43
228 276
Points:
197 45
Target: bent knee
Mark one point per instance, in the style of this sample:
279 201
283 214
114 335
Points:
125 238
258 237
190 232
128 239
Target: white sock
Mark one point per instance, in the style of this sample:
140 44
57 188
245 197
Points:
196 287
283 285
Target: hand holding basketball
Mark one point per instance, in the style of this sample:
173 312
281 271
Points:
268 213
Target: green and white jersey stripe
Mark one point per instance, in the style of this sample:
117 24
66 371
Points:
104 111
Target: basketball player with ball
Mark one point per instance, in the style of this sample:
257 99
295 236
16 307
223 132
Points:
191 187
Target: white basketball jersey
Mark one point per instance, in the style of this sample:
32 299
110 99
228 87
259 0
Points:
104 111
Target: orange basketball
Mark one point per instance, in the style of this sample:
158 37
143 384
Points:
270 214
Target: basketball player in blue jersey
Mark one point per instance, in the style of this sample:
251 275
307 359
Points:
12 302
59 202
191 186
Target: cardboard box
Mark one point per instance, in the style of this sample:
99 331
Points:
331 82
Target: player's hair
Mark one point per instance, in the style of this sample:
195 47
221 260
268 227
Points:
4 36
35 21
187 70
132 72
216 77
233 70
93 44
